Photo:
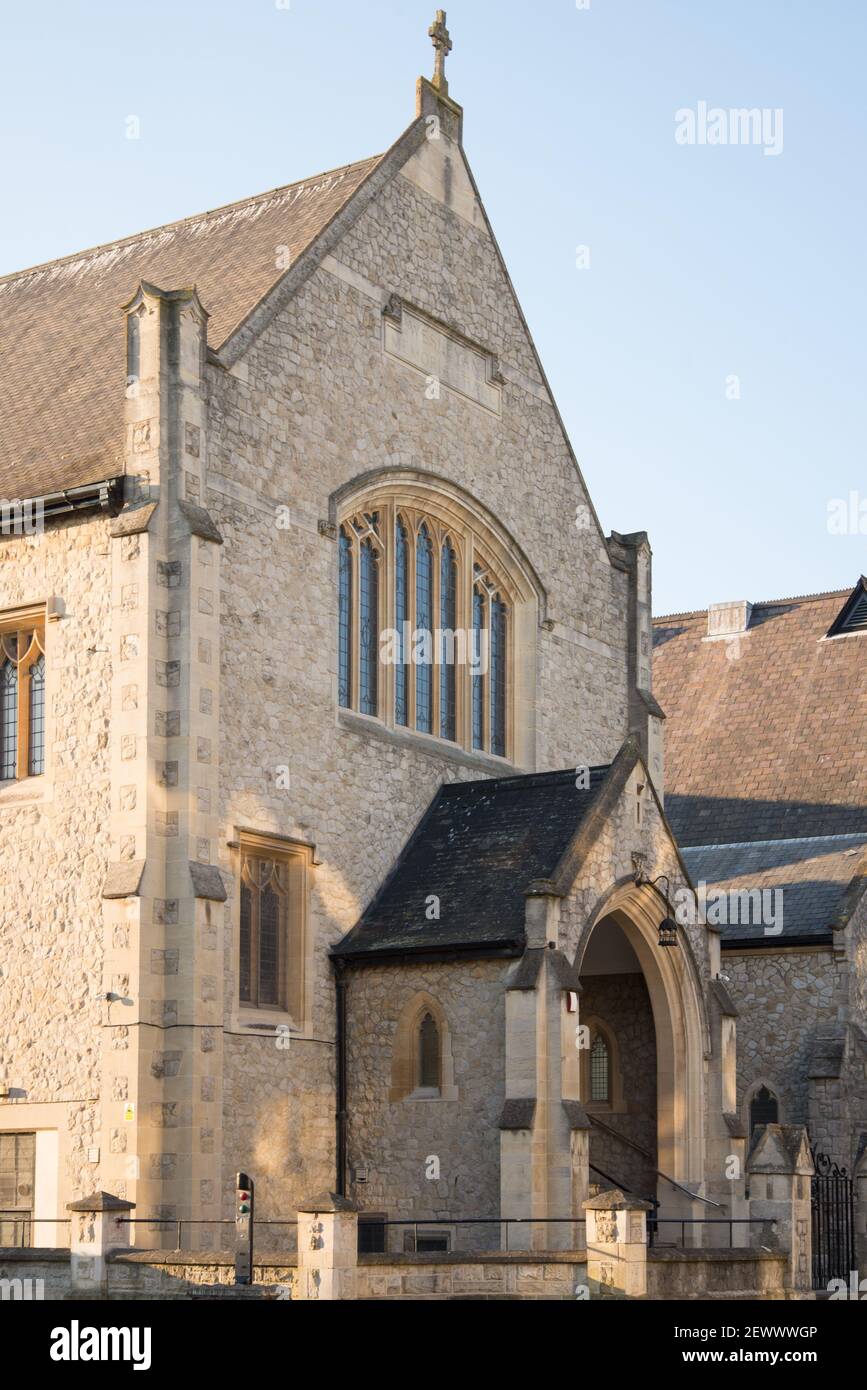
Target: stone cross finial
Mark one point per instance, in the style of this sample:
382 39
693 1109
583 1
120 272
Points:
443 46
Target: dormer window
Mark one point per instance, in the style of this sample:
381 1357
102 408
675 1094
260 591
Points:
852 618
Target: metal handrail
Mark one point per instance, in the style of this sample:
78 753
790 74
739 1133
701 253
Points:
645 1153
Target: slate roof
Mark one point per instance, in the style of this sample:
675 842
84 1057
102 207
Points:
771 744
62 344
478 848
766 769
813 875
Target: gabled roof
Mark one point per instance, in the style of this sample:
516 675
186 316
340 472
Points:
62 345
765 738
477 849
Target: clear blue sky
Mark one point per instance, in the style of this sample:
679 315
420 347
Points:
705 262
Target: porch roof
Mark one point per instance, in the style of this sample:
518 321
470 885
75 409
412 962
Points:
477 849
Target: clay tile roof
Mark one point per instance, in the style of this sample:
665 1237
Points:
766 775
62 346
478 848
764 741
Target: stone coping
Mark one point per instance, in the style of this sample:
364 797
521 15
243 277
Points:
457 1257
202 1258
684 1255
33 1254
403 1257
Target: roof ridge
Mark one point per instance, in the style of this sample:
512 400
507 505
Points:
760 603
134 237
523 777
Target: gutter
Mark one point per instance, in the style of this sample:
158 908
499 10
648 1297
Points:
434 954
105 496
773 943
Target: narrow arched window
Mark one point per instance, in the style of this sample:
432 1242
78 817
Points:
498 677
424 622
448 649
428 1054
401 618
8 720
368 619
600 1069
764 1108
345 633
479 659
36 760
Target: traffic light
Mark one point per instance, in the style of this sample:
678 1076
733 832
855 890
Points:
243 1229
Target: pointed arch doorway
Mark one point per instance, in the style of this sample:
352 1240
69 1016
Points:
644 1002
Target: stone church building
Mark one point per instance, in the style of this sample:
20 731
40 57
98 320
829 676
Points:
766 779
333 823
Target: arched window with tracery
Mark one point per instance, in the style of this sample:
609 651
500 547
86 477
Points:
426 623
22 698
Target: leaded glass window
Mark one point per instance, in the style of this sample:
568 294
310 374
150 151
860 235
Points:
498 677
22 699
8 720
448 650
424 621
421 596
271 924
345 633
37 716
600 1069
478 676
369 629
263 924
401 618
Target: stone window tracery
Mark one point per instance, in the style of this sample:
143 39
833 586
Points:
425 626
272 926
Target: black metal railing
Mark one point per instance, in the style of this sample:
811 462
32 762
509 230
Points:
179 1223
22 1224
684 1221
422 1234
832 1194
